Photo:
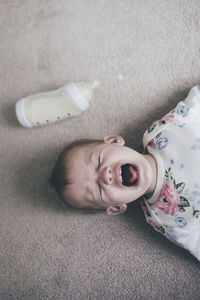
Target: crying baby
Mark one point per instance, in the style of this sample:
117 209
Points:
107 175
103 174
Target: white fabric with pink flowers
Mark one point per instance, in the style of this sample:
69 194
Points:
174 141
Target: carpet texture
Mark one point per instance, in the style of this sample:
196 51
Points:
146 54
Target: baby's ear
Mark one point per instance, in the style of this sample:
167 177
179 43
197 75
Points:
116 210
111 139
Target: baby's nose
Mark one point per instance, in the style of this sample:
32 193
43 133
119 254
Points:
106 175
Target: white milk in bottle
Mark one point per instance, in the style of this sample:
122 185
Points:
49 107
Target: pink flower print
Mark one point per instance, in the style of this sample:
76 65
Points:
169 199
154 223
166 119
152 144
169 118
158 122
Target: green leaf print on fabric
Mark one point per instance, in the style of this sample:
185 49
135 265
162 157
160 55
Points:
184 203
158 135
180 187
196 213
151 128
168 173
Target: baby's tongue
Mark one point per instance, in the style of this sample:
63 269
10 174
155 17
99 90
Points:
129 174
133 173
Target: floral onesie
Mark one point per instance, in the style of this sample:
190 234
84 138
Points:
174 142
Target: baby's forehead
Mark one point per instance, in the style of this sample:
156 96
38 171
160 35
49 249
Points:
82 149
78 159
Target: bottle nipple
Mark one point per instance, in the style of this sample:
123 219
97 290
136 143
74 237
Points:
86 89
94 84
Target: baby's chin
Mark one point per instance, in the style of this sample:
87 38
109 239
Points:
148 181
145 180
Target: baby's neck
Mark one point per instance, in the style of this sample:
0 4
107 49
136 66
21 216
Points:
153 164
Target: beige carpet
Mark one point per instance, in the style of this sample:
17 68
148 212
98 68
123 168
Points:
147 56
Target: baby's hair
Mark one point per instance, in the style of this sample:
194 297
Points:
59 178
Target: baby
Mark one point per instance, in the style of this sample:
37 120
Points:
105 174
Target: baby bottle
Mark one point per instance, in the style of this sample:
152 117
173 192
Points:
49 107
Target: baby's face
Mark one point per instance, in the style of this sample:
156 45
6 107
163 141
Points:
108 175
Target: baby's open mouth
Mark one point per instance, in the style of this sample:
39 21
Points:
129 175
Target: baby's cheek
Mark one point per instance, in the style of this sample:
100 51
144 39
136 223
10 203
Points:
112 195
120 196
131 195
